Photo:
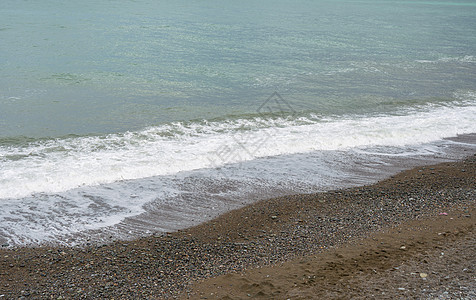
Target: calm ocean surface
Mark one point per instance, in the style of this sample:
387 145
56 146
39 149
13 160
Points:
123 118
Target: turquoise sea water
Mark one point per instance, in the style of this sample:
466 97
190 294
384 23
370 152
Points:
95 67
104 100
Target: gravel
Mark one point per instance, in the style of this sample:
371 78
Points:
264 233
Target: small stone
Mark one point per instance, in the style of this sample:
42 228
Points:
403 248
423 275
401 289
274 217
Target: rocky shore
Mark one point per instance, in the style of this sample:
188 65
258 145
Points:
287 229
430 258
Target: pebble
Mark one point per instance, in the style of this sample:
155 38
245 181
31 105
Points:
163 266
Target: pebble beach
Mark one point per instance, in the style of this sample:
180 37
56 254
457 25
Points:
223 258
237 150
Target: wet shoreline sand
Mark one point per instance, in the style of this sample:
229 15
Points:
268 232
428 258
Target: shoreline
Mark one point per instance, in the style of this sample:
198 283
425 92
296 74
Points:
264 233
188 199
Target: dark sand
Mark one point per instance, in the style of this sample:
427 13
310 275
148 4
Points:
384 240
434 258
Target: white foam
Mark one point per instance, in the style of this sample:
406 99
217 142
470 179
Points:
60 165
460 59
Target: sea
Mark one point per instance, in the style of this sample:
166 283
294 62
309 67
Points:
128 118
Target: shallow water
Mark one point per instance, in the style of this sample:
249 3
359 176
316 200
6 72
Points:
129 117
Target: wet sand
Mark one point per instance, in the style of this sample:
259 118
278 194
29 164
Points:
374 240
434 258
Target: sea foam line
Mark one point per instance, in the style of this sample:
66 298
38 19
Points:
58 165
